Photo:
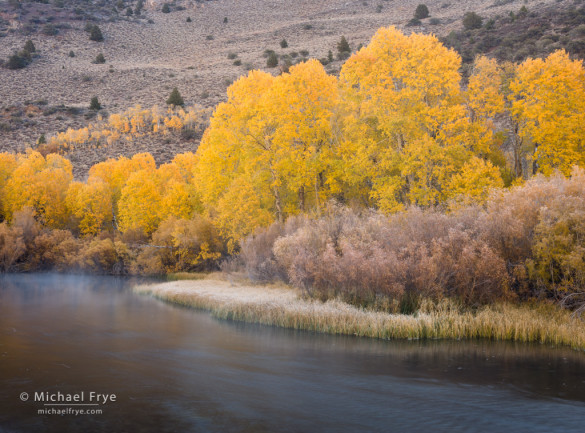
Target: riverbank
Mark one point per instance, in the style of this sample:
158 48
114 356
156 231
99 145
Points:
284 307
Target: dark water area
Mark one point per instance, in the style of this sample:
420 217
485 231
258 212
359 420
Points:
174 369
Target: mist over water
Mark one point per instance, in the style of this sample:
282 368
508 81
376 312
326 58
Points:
176 369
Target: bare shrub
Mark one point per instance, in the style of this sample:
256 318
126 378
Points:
24 219
54 250
256 251
363 257
12 246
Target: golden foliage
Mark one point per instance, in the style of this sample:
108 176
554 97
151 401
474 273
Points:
41 184
133 123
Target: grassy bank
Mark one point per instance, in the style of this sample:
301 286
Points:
283 307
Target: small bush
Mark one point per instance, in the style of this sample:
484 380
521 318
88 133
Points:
471 21
414 22
283 44
421 12
232 56
175 98
95 34
237 62
343 46
71 53
18 61
50 30
99 59
165 8
189 19
272 60
29 47
95 104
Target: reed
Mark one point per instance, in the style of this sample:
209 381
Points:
284 307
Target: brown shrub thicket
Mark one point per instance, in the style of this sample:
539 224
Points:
256 251
365 256
526 242
11 246
178 245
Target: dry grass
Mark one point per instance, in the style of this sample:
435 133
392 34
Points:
283 307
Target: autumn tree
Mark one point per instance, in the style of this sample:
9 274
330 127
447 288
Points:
548 103
116 172
150 196
90 203
272 142
7 166
404 123
41 184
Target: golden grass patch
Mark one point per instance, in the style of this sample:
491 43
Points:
284 307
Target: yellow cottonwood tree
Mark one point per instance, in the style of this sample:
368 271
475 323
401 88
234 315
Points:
485 97
7 166
548 102
91 204
41 184
150 196
115 173
404 124
236 134
475 180
276 133
139 203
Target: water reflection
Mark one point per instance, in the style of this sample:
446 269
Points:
175 369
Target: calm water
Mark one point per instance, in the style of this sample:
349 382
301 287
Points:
178 370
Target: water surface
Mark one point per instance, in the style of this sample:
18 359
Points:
178 370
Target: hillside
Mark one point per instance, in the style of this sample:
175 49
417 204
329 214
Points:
149 54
